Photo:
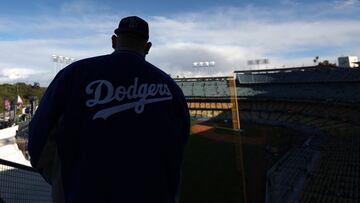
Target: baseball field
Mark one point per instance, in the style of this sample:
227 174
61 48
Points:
211 173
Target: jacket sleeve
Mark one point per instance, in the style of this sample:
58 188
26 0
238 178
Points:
184 122
185 119
46 117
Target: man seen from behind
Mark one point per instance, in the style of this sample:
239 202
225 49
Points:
112 128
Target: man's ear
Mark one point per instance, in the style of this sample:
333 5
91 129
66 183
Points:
147 47
113 41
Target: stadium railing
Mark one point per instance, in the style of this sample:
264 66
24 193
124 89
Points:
20 183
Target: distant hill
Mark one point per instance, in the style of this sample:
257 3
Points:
24 90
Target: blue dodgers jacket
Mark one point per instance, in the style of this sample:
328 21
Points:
123 128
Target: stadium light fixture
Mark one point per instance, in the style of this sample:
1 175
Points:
59 60
258 62
62 59
204 64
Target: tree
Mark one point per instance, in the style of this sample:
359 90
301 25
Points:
10 91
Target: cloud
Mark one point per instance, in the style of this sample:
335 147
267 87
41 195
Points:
82 7
10 74
31 59
16 73
346 4
231 36
289 35
350 2
290 3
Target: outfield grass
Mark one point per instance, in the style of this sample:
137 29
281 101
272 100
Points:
210 173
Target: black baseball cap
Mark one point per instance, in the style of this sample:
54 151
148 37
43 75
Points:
134 25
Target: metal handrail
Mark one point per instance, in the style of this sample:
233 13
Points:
16 165
20 183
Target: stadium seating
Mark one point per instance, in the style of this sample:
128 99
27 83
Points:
287 177
339 85
299 76
336 176
204 88
303 116
332 92
324 169
321 102
336 85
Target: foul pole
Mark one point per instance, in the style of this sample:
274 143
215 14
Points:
236 127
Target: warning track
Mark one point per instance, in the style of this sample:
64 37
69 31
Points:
210 132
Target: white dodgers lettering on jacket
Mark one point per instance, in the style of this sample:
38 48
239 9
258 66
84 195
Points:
138 92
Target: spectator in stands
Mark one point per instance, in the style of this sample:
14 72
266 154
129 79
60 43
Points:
112 128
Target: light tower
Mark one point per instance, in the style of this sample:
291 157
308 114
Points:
258 62
61 61
207 65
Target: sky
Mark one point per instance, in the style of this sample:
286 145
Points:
289 33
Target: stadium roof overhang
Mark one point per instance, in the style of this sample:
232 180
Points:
205 78
278 70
